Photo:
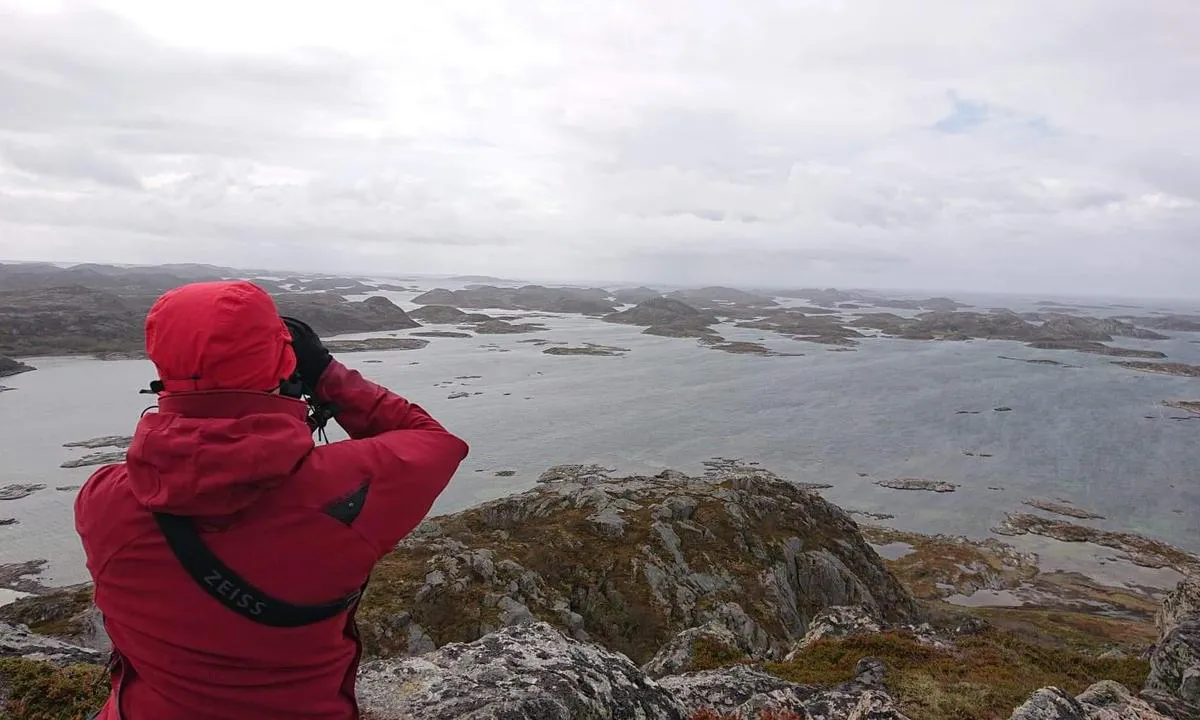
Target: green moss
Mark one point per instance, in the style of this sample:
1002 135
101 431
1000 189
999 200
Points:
983 679
42 691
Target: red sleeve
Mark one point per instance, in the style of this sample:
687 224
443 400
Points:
408 455
365 409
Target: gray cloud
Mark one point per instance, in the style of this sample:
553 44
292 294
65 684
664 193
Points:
937 145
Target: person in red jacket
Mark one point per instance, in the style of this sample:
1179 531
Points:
229 550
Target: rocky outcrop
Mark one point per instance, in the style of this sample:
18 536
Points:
835 622
20 641
631 562
1173 685
1105 700
10 367
700 648
529 671
1108 700
503 327
588 301
666 316
748 693
64 613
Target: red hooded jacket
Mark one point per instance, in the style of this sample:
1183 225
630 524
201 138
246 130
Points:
288 516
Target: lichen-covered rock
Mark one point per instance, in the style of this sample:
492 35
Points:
1105 700
747 693
1110 700
699 648
838 621
529 671
1050 703
728 690
1181 602
20 641
632 562
1173 686
64 613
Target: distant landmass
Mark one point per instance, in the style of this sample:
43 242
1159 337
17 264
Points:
97 309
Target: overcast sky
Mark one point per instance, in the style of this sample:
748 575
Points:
1022 145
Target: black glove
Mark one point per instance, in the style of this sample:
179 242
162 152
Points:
312 357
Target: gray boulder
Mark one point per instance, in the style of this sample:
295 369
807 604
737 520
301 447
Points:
1105 700
729 690
746 693
526 671
19 641
1050 703
679 655
1110 700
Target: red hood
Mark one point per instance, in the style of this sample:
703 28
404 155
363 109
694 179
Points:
213 453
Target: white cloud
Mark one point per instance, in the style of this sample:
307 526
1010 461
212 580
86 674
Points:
1020 145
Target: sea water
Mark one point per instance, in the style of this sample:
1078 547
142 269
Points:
1096 435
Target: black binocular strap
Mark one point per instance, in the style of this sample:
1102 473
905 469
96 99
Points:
234 592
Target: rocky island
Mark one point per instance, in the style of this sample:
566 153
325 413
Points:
9 367
936 486
587 349
1179 369
669 317
446 315
371 344
731 594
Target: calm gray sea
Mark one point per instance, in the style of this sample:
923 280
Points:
888 410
